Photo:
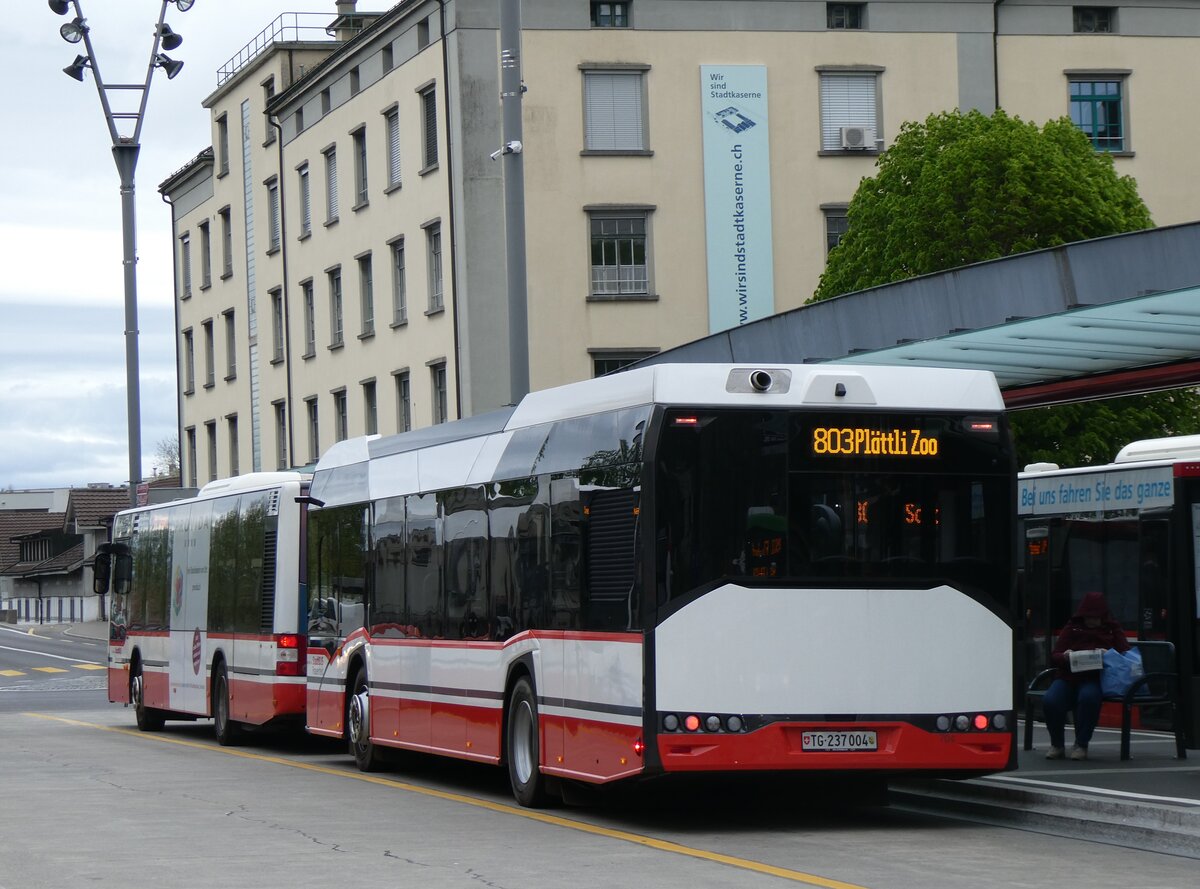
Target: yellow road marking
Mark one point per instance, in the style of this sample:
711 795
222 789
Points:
49 669
89 666
11 673
500 808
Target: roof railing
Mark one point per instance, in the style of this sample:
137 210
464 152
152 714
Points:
288 27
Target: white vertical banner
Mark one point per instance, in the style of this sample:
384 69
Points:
737 194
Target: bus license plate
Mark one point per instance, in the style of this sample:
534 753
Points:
839 741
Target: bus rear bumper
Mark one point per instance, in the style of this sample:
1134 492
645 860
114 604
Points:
899 747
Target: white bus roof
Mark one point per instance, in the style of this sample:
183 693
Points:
451 454
1180 447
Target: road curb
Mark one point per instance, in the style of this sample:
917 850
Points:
1137 824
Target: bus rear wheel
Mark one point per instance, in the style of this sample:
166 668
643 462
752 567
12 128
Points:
367 756
228 732
524 747
148 718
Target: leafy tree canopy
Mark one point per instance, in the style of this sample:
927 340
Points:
963 188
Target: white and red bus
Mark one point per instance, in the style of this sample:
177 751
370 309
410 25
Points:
677 569
207 612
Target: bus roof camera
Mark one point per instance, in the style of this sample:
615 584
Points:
760 380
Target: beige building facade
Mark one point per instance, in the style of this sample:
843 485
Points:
340 249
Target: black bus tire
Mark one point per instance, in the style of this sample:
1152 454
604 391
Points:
367 755
148 718
227 731
522 734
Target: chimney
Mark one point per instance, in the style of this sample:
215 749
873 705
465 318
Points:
347 24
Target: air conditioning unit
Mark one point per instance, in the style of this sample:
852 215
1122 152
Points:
858 137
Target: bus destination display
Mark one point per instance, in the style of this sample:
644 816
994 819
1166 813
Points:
861 441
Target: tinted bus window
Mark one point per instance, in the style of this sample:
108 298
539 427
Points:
223 557
519 515
424 580
388 608
466 551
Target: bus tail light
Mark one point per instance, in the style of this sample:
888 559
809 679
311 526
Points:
288 651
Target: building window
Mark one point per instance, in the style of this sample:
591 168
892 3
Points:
209 358
438 392
210 434
268 94
355 81
607 361
422 34
1097 108
189 363
314 431
388 58
619 254
232 425
844 16
370 408
336 314
276 325
305 202
433 242
341 423
205 256
392 120
360 167
403 402
399 286
230 347
837 223
325 101
849 111
614 111
185 264
281 451
273 231
1094 19
310 319
610 15
331 186
222 145
192 470
226 242
366 295
429 139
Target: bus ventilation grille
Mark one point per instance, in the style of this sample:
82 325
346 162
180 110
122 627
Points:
268 580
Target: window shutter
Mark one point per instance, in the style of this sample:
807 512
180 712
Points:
331 184
847 100
613 111
305 203
431 146
393 138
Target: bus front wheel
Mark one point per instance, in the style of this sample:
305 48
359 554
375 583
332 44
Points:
524 746
148 719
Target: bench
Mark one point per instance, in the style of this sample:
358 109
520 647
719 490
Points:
1159 686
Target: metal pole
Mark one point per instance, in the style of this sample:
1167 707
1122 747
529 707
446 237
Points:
514 198
126 156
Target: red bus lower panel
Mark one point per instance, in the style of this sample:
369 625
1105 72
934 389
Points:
779 746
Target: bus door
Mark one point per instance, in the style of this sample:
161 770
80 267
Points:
189 608
1156 612
336 607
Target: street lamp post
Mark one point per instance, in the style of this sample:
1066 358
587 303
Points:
125 147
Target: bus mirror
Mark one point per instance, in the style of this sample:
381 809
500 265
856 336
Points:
121 573
101 572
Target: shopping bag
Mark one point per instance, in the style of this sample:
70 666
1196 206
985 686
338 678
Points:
1121 670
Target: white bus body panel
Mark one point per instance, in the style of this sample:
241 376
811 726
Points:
789 651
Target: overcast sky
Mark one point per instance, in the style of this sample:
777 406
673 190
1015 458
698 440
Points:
62 317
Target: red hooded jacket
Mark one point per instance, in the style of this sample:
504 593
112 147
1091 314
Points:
1077 636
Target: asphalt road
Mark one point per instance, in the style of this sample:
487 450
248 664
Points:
88 800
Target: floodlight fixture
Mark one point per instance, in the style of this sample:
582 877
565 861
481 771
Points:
59 7
73 31
170 40
168 64
75 69
183 5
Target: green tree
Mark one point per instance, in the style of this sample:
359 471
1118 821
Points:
963 188
1092 432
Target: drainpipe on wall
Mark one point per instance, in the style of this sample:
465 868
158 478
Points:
273 120
450 215
996 53
178 379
